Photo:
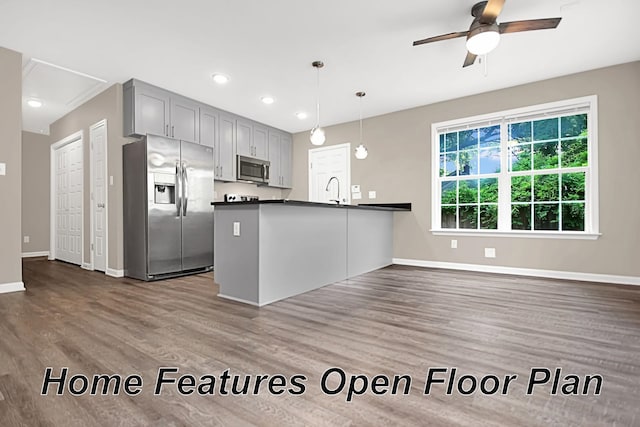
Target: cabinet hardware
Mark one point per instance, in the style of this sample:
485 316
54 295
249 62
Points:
166 132
172 133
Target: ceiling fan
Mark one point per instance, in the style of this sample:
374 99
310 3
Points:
484 33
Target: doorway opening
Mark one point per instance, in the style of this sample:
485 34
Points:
330 174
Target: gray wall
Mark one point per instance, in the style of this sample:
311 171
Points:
106 105
399 169
10 153
35 191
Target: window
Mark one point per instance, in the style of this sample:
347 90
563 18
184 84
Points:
529 171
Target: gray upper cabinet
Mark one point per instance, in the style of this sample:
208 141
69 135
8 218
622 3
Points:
149 109
227 148
146 110
217 130
252 139
260 142
280 146
185 120
244 143
286 160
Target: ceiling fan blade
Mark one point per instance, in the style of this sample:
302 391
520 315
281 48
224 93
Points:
441 37
491 11
529 25
470 59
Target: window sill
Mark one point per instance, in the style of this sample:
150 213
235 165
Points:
578 235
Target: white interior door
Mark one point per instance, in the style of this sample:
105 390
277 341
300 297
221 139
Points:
98 138
325 163
68 223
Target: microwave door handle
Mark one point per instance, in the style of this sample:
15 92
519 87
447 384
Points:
179 188
185 188
266 172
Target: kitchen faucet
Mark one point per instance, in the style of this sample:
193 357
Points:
337 200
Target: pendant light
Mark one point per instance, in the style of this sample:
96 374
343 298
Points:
317 133
361 150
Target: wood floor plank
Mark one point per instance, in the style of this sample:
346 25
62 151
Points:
394 321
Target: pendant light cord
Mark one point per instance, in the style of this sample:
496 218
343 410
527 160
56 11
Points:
360 120
318 98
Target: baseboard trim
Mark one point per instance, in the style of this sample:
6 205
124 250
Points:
114 273
244 301
87 266
552 274
35 254
11 287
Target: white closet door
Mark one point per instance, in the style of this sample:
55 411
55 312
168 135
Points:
69 202
98 141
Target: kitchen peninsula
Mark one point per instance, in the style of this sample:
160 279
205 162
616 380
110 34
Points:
268 250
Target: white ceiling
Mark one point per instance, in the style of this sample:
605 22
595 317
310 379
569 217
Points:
267 47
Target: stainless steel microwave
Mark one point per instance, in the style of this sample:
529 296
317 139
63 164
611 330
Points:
254 170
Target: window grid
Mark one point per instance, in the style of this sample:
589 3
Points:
555 145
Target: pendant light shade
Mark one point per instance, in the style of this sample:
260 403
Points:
317 133
361 150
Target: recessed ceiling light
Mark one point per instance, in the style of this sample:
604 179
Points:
301 115
34 103
268 100
221 79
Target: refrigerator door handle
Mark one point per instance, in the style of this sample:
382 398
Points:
185 188
179 188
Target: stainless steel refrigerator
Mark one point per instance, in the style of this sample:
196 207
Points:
168 217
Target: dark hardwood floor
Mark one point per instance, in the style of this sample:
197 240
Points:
395 321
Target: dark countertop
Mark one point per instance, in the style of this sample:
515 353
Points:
371 206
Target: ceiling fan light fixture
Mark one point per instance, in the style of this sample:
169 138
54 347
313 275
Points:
483 39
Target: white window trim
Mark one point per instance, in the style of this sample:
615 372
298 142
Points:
592 218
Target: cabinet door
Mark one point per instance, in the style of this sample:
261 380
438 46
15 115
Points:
286 154
244 142
151 111
209 134
227 148
260 142
185 119
275 178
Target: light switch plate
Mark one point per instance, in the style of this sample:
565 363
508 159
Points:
356 196
355 188
454 244
489 252
372 194
110 179
3 168
26 239
236 228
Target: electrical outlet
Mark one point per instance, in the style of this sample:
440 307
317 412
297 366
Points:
489 252
3 168
111 180
372 194
356 196
26 239
454 244
355 188
236 229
